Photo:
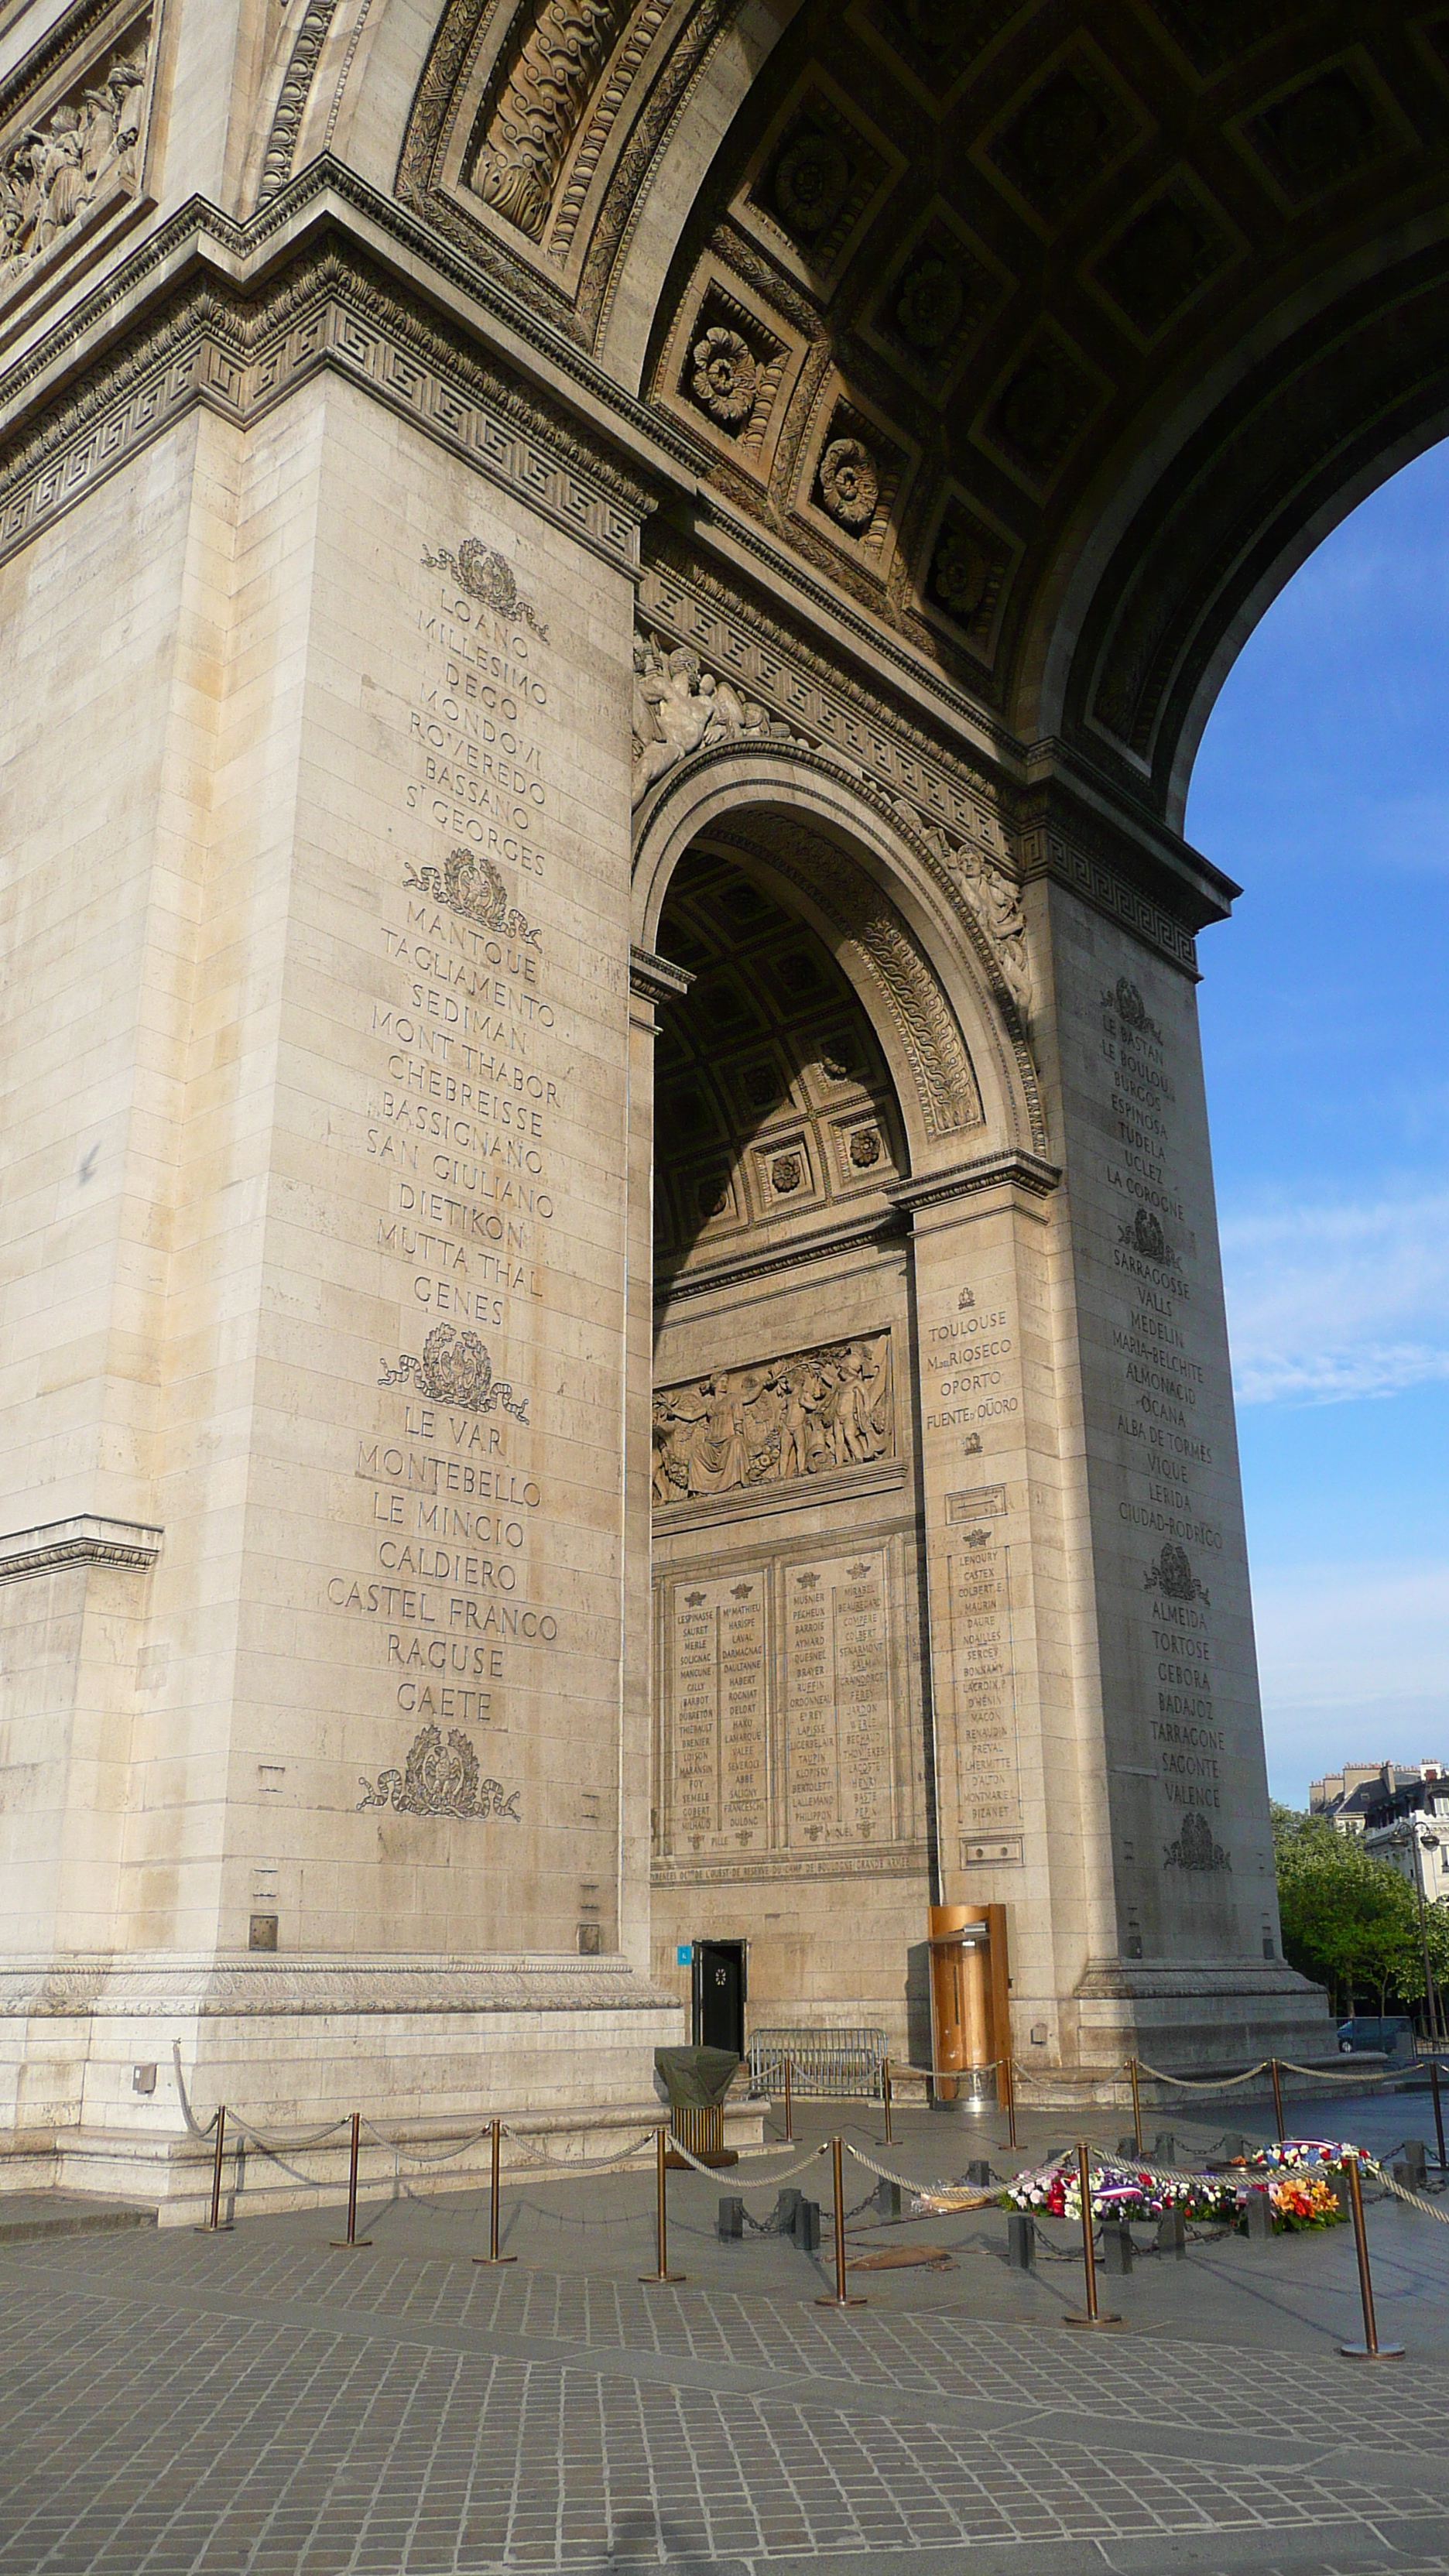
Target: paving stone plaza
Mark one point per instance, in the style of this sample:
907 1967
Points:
259 2404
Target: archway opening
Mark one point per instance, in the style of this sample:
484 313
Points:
789 1731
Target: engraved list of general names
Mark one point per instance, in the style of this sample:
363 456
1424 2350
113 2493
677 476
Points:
470 1121
779 1704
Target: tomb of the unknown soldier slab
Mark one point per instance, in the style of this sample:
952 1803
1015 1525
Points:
612 1354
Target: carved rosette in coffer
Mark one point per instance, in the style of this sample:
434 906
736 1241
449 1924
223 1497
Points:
73 121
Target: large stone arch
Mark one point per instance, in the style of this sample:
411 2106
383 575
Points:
934 983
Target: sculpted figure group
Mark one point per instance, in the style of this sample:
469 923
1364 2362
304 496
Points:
680 708
72 160
807 1415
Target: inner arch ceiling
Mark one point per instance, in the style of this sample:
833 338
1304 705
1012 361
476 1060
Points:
1052 336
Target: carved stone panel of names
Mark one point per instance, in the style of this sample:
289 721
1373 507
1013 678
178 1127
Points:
837 1701
721 1757
988 1786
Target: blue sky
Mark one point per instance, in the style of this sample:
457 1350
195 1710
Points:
1322 785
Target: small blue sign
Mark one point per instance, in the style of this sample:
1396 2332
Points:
684 1954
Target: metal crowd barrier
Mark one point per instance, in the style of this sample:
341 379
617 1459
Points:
827 2065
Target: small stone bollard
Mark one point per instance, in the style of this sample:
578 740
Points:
1172 2234
1232 2149
1116 2245
888 2198
1164 2148
786 2211
807 2225
1258 2211
1411 2174
731 2221
1020 2240
978 2173
1127 2147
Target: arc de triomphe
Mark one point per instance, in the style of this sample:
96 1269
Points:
612 1331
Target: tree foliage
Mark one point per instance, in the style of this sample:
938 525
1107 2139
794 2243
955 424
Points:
1350 1919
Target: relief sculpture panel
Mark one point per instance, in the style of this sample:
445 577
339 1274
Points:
812 1413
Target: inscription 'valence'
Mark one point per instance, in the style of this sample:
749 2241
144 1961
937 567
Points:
455 1368
810 1413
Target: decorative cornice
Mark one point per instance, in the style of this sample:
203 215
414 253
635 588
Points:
819 1244
1015 1169
88 1539
889 1860
656 979
885 1476
332 309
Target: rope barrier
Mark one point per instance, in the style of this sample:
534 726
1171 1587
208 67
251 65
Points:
811 2156
1411 2199
580 2164
396 2147
1199 2084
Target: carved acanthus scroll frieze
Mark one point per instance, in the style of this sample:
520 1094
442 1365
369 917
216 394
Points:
539 107
74 158
812 1413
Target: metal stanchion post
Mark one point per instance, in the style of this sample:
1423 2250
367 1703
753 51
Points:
1136 2103
493 2255
1010 2099
216 2225
789 2120
351 2243
1089 2258
885 2090
1370 2349
1438 2111
652 2279
1277 2096
838 2297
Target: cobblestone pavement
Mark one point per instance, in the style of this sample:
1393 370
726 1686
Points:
260 2405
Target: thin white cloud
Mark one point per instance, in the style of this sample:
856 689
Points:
1353 1665
1332 1302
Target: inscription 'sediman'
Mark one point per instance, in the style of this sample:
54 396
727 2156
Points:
440 1781
808 1414
487 575
468 883
455 1368
1194 1847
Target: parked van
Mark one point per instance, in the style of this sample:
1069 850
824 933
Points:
1367 2030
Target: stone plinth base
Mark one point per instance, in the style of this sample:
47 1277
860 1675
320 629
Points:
110 2067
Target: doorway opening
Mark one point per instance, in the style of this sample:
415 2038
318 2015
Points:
719 1995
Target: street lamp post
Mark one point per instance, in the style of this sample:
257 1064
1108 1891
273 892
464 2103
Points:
1406 1837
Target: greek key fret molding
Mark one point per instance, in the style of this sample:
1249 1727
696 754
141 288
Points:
240 357
88 1539
1047 853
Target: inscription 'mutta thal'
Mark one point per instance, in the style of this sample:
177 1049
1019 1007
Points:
613 1343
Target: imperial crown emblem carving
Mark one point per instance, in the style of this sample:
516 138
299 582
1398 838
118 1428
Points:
455 1369
468 883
